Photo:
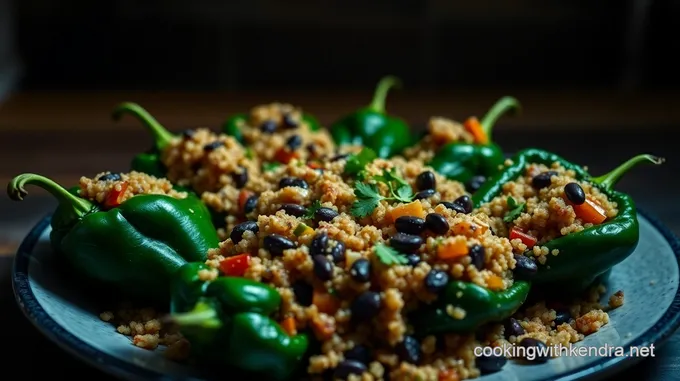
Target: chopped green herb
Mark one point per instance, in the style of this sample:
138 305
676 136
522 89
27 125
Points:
312 209
514 210
389 256
357 162
266 167
334 292
249 153
368 195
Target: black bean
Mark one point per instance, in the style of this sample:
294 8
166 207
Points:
340 157
319 243
294 142
410 225
409 350
277 244
406 243
538 350
110 177
366 306
240 178
525 267
477 256
466 202
426 180
491 363
323 268
562 316
347 368
413 259
475 183
359 353
424 194
436 223
268 126
338 251
575 193
294 210
543 180
361 270
250 204
293 182
289 121
458 208
435 281
188 133
325 214
304 293
213 146
236 234
513 328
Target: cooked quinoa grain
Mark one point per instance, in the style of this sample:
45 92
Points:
130 184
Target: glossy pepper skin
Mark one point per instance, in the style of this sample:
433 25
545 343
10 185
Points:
148 162
481 306
232 126
134 247
227 322
461 161
372 127
585 255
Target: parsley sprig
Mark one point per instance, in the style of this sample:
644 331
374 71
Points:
356 163
388 255
316 205
514 210
369 197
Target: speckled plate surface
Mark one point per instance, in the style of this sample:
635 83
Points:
650 314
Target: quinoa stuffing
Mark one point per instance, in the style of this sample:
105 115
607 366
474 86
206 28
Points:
337 263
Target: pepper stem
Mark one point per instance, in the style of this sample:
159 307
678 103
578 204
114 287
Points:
608 180
76 205
381 90
203 315
501 107
160 134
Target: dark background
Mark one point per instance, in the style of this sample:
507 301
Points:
431 44
598 81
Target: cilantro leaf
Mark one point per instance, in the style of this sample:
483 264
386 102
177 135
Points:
357 162
368 198
514 210
404 193
316 205
388 255
266 167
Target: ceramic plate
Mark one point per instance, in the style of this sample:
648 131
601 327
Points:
649 278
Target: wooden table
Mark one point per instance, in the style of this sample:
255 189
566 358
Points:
65 136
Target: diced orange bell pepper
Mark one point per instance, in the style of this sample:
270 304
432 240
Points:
448 375
590 212
475 128
236 265
451 250
494 282
113 199
414 208
325 302
288 325
527 239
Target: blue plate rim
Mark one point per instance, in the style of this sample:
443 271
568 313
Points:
656 334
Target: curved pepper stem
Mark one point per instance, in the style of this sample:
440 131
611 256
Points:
76 206
608 180
501 107
381 90
202 315
161 136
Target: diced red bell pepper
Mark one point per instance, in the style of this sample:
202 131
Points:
285 156
527 239
113 199
236 265
242 198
